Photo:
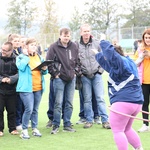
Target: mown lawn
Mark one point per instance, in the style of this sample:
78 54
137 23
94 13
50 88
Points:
95 138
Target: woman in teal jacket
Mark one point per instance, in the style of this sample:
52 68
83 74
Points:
30 86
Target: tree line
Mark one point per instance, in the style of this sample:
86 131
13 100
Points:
24 15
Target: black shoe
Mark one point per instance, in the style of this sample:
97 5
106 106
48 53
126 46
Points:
55 129
69 129
49 124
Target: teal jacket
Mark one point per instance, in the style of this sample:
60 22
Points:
25 74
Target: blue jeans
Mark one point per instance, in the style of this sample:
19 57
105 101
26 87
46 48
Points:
31 103
97 83
61 89
52 101
94 105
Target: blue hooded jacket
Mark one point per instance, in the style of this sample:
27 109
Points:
25 74
123 82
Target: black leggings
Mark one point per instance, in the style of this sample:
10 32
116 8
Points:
146 94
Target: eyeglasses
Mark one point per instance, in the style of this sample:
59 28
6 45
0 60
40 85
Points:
6 51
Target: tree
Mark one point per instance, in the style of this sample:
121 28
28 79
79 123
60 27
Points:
21 14
138 13
101 14
14 21
49 23
75 22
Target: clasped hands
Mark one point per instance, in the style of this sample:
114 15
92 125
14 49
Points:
6 80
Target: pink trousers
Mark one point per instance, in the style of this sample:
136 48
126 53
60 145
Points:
122 126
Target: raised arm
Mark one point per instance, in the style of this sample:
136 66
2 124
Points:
114 60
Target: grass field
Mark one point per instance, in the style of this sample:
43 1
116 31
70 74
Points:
95 138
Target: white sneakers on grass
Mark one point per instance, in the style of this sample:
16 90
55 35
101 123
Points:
35 132
144 128
24 134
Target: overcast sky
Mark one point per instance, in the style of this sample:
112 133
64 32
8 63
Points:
65 7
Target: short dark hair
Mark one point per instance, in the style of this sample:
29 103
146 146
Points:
9 44
65 31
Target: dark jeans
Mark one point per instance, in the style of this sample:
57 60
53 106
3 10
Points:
19 110
8 102
51 101
94 105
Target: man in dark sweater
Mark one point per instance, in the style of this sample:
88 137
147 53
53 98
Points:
8 81
65 55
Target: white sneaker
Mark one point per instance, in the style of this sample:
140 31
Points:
24 134
144 128
19 128
36 132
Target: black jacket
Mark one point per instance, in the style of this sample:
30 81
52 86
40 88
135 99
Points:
65 60
8 69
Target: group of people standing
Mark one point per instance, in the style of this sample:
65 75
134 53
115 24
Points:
72 60
21 87
77 62
125 92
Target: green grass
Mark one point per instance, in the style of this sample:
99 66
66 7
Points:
95 138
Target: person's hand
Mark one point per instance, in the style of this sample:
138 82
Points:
44 68
146 53
95 51
57 76
6 80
